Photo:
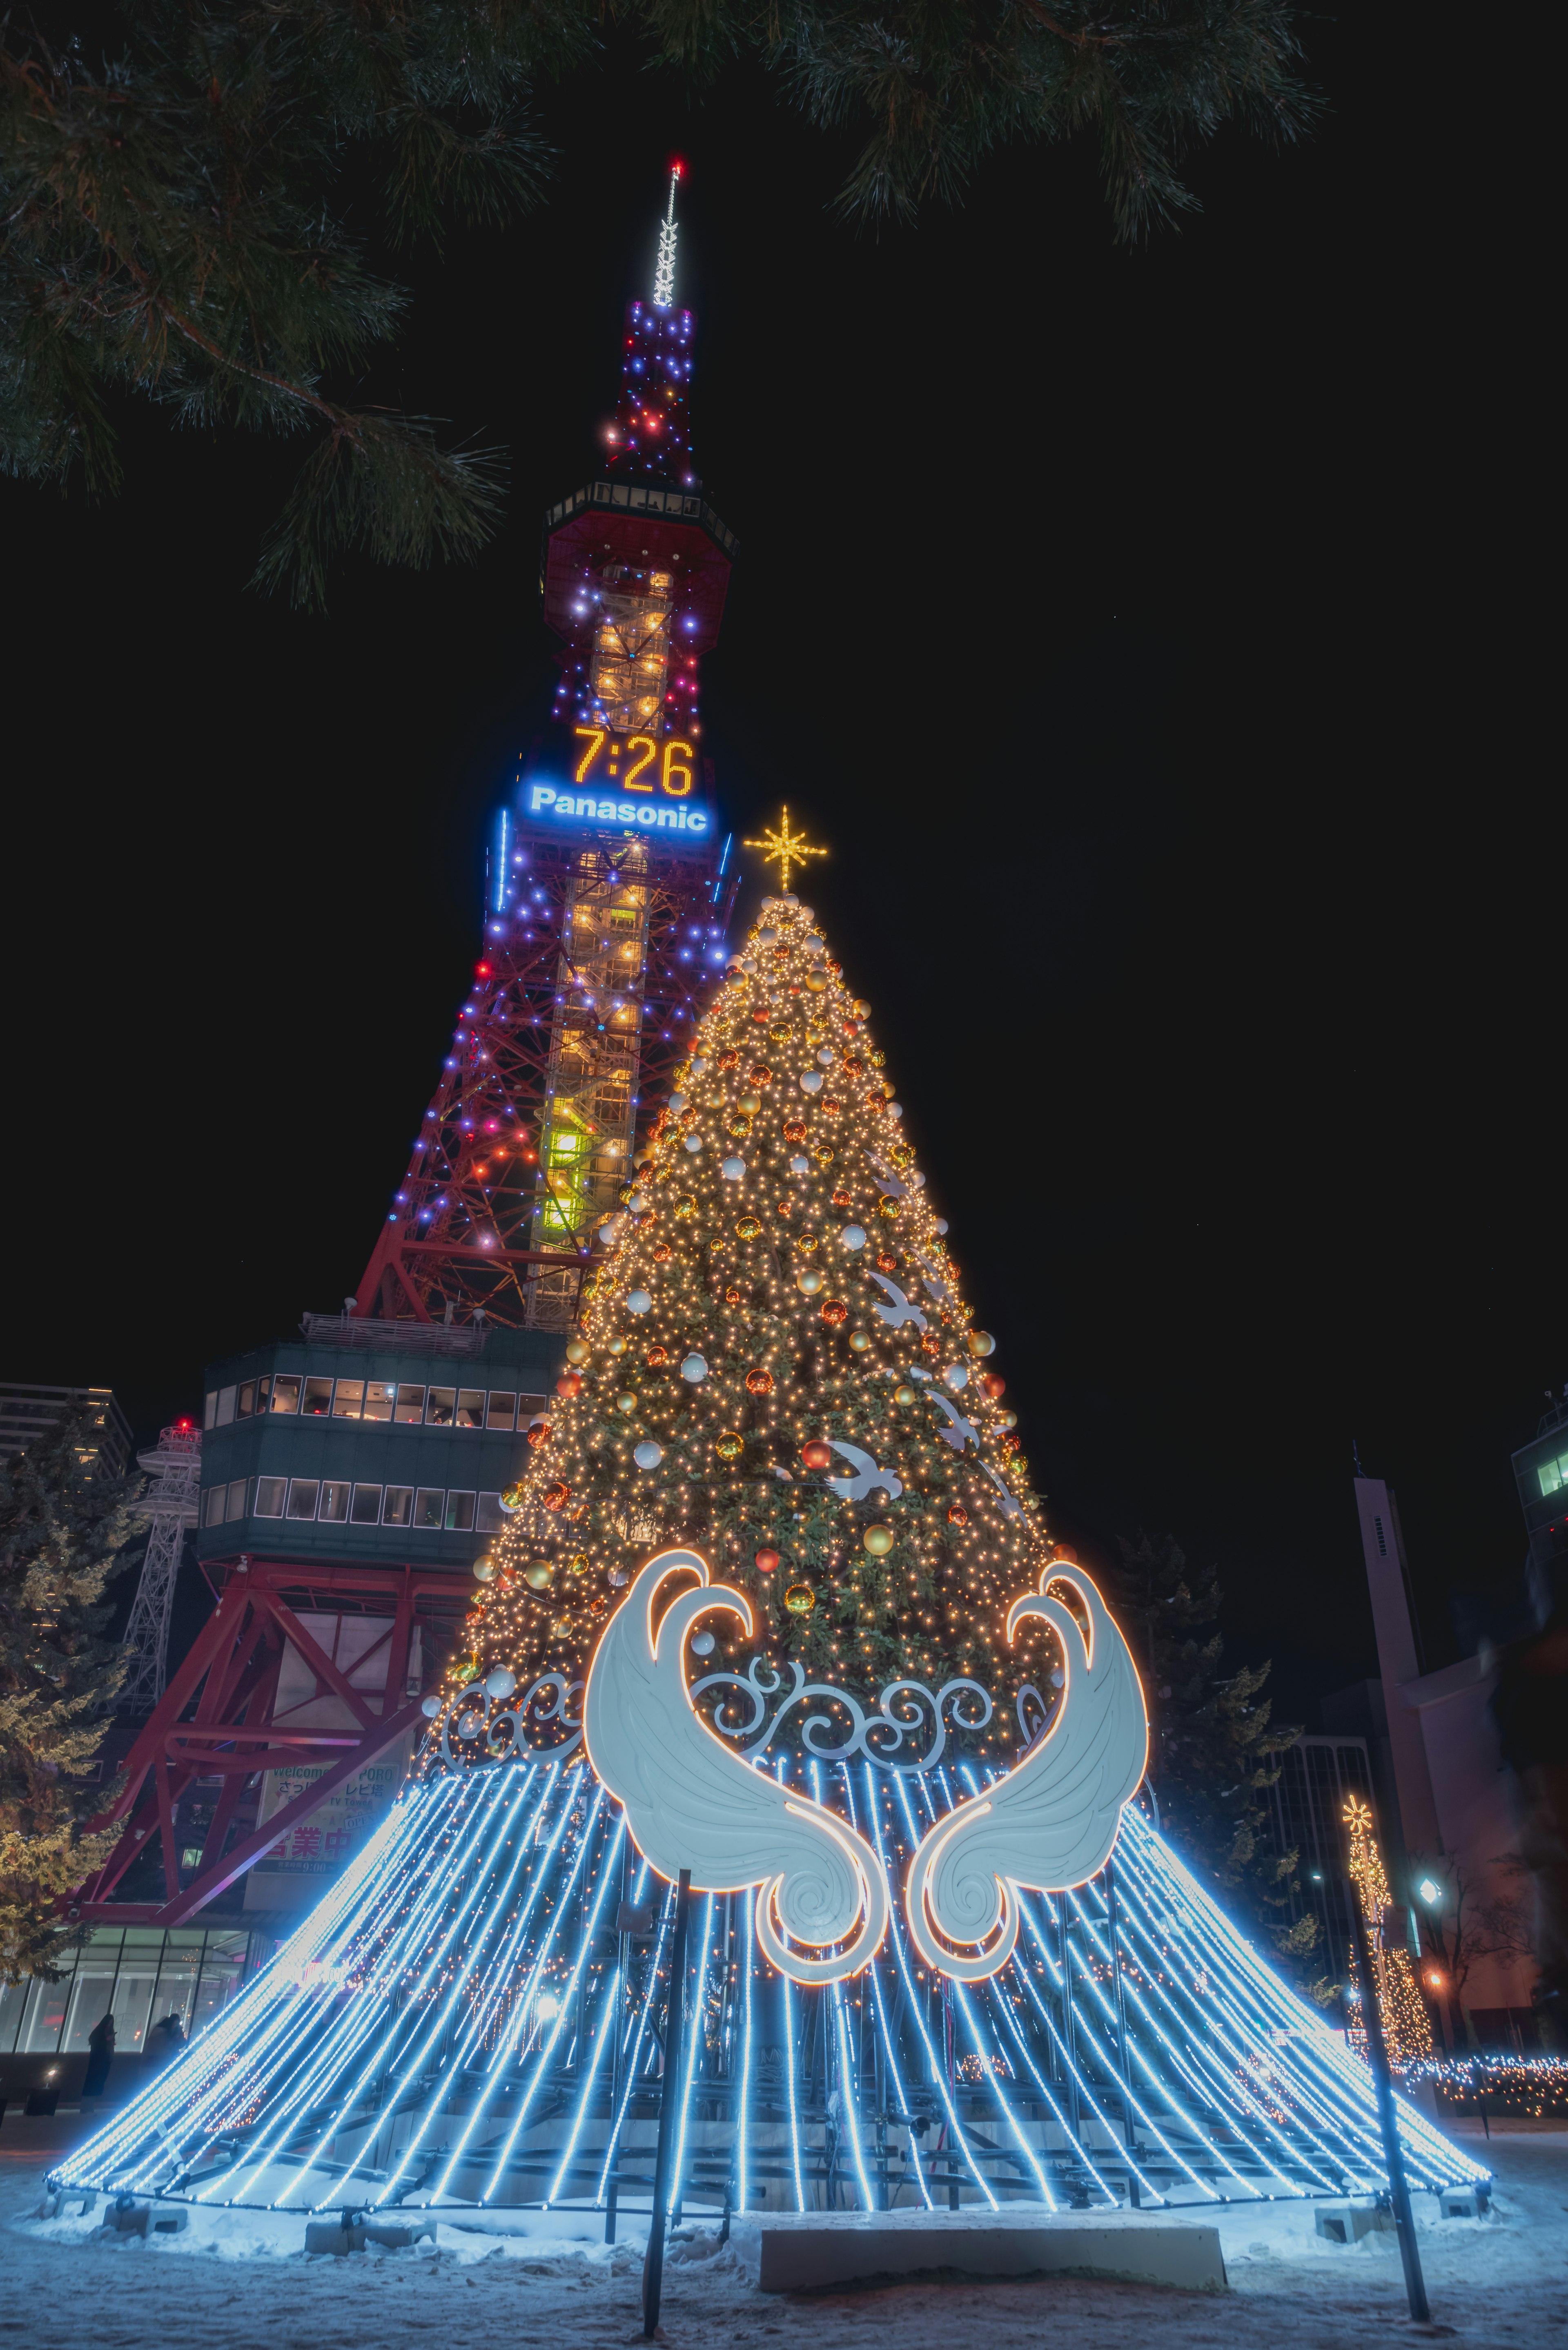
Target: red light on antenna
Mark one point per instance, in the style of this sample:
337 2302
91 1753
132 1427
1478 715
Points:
677 170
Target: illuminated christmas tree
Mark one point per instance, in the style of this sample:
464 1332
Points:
1407 2026
776 1364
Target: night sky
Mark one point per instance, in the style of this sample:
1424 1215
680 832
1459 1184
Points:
1139 629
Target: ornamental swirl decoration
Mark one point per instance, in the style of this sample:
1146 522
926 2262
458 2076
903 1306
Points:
476 1726
899 1714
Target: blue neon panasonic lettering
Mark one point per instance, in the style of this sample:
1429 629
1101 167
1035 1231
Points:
588 807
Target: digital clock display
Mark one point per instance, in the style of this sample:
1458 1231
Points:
633 763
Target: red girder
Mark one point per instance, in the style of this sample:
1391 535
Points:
227 1686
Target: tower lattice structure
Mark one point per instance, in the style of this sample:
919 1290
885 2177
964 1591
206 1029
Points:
599 939
170 1505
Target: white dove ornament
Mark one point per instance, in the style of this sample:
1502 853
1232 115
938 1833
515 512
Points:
691 1803
1052 1822
868 1477
901 1311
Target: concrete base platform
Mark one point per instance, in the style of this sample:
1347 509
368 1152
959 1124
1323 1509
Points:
795 2251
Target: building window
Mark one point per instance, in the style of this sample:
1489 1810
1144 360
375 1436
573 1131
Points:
410 1405
236 1505
209 1411
366 1509
302 1495
471 1407
530 1409
334 1500
380 1397
350 1400
285 1392
460 1514
270 1492
1554 1474
225 1405
246 1403
212 1505
489 1519
440 1406
317 1402
1382 1544
502 1412
429 1503
398 1505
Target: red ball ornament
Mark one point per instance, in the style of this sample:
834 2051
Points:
957 1515
570 1383
767 1561
817 1454
843 1199
887 1261
657 1357
994 1384
539 1432
557 1496
759 1382
833 1312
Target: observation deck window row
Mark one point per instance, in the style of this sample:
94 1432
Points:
309 1395
342 1501
637 499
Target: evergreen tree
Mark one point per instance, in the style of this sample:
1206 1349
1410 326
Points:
1214 1747
171 222
61 1524
778 1285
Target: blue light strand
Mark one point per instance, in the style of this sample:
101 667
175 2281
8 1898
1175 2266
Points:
874 1972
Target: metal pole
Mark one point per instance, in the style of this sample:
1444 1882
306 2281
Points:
1393 2152
669 2099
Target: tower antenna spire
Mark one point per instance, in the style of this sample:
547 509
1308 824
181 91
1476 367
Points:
664 274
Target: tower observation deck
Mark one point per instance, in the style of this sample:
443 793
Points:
611 882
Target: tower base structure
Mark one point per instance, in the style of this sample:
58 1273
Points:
474 2015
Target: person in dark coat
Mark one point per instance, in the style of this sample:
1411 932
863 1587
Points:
165 2039
100 2057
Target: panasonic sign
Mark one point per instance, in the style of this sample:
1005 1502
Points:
588 807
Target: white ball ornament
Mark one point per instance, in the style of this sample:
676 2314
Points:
852 1237
799 1166
811 1083
695 1369
677 1102
694 1141
941 1224
766 938
702 1644
638 1302
638 1202
430 1708
499 1683
895 1109
733 1170
956 1376
647 1454
826 1057
698 1066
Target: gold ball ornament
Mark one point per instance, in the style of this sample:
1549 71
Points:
729 1445
905 1394
748 1106
862 1009
749 1228
484 1570
800 1599
617 1346
888 1209
815 984
577 1351
538 1574
809 1282
512 1498
878 1539
578 1563
980 1342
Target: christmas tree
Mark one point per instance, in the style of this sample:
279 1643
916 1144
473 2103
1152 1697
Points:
776 1363
61 1525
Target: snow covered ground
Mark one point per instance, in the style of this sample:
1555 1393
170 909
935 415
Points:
240 2281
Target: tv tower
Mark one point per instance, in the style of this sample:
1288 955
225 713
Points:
609 888
171 1501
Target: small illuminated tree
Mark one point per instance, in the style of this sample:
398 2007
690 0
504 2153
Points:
1406 2027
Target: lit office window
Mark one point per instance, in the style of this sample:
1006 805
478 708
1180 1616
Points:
503 1411
349 1402
410 1405
304 1493
285 1392
236 1504
429 1504
270 1493
398 1505
334 1500
380 1397
439 1405
471 1407
317 1402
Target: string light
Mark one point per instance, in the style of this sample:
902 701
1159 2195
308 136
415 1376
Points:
1407 2026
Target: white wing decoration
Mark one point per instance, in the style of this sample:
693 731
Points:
901 1311
691 1803
1052 1822
1009 1507
868 1478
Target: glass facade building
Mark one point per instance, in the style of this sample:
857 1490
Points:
137 1973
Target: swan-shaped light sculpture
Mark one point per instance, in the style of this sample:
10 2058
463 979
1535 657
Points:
691 1803
1052 1822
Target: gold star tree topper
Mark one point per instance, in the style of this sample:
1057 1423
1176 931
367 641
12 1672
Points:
785 848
